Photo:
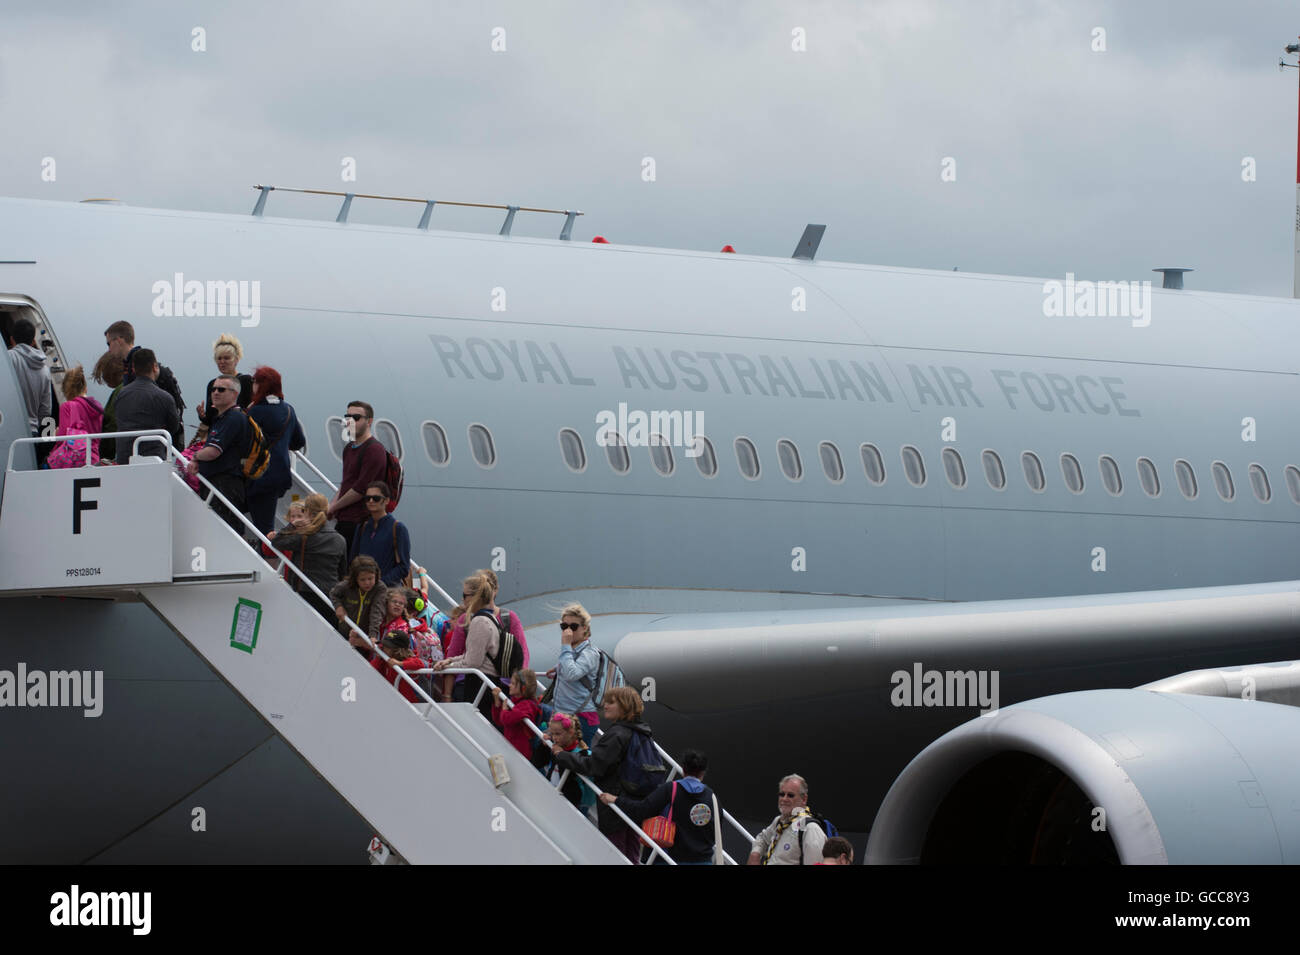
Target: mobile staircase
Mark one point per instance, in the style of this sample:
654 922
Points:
138 531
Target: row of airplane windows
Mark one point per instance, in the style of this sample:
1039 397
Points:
483 449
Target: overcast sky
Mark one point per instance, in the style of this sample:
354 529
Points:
1106 164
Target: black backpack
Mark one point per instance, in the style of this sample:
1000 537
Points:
510 653
643 768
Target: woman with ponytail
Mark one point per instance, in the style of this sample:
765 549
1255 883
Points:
318 553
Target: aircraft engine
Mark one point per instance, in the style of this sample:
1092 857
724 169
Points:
1128 776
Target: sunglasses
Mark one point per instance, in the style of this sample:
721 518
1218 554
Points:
373 498
356 417
221 388
575 627
788 795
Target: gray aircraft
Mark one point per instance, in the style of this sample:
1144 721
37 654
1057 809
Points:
798 496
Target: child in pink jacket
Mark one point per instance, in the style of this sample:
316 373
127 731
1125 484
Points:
523 693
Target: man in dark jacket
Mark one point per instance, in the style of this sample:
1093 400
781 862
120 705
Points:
120 337
692 811
382 537
142 406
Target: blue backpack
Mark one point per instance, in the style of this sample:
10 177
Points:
816 818
643 767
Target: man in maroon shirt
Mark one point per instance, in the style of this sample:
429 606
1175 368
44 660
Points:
365 461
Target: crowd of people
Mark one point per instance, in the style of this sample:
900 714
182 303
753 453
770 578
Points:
362 564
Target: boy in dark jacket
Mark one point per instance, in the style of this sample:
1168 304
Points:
692 811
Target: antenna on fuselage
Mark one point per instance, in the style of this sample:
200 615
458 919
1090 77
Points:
808 242
566 233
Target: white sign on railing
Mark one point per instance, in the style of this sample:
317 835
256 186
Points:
86 527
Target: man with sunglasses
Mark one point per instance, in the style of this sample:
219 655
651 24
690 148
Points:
219 459
364 462
793 838
382 537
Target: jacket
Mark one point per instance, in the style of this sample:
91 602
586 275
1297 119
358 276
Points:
166 381
787 850
389 673
512 724
455 644
388 542
604 766
483 643
142 406
34 382
83 415
108 446
366 609
320 556
279 423
577 676
692 812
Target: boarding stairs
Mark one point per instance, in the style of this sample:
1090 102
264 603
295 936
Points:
318 482
138 531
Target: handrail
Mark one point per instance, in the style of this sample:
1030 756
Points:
681 772
215 495
487 681
416 569
160 433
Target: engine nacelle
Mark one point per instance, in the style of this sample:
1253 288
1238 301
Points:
1119 776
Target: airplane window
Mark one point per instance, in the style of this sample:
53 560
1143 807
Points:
571 447
1186 479
1110 475
1072 473
873 464
388 436
993 470
661 455
334 428
953 467
1033 471
705 459
788 455
1293 482
913 466
1223 481
1148 476
831 462
616 452
1259 483
480 444
747 458
435 443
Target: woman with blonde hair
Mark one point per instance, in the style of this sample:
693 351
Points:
226 352
482 640
318 553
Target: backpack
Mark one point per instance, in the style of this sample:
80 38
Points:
815 817
510 653
643 768
259 452
393 478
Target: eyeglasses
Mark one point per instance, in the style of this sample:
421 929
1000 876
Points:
375 498
356 417
789 795
575 627
216 388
